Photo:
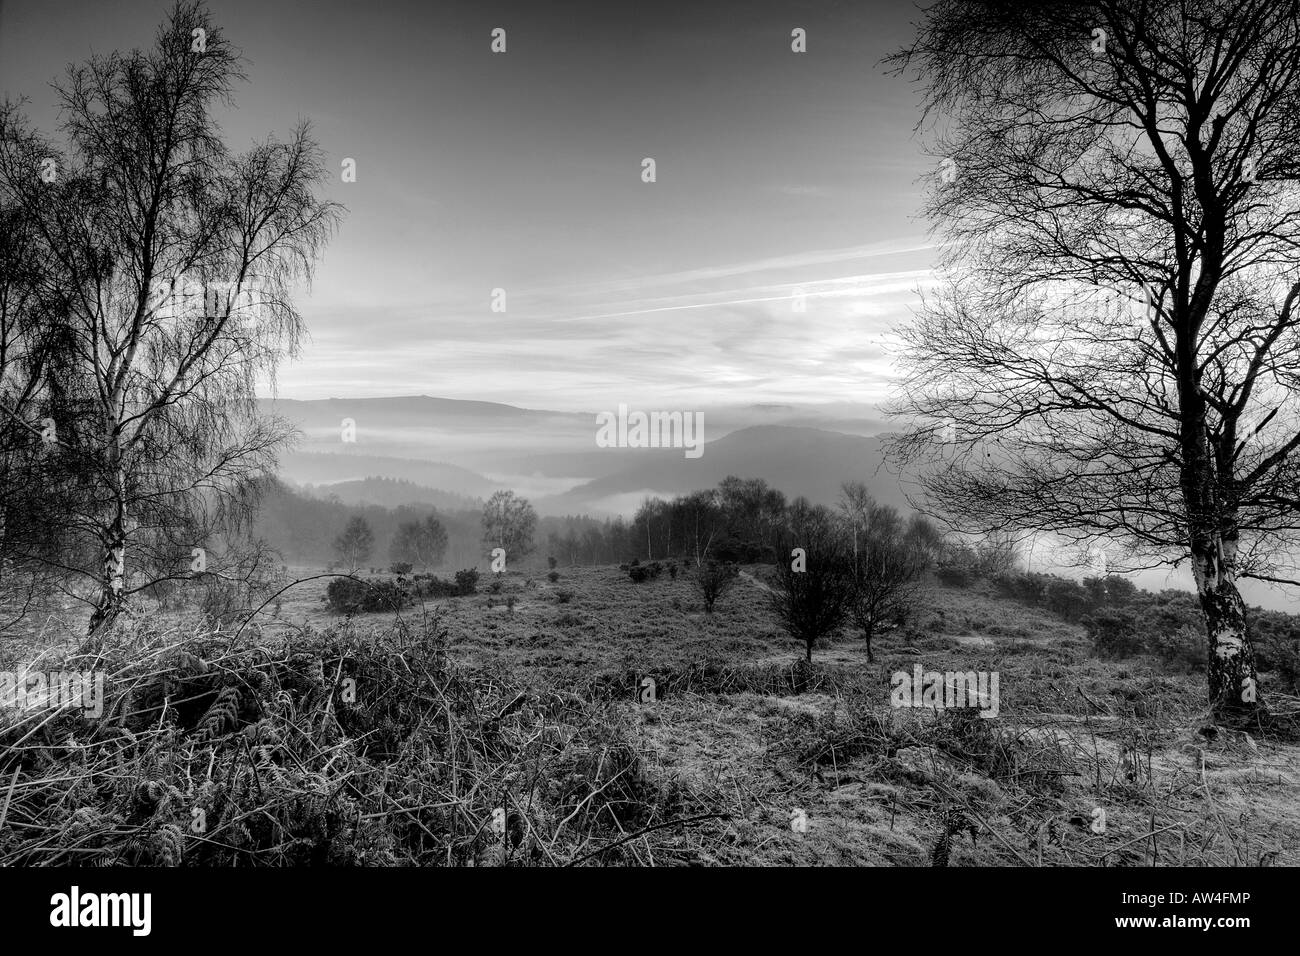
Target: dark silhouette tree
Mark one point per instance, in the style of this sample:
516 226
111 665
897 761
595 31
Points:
814 591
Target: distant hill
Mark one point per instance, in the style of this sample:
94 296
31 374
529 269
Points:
467 450
387 412
329 468
811 462
391 493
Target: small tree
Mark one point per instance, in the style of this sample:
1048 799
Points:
888 563
355 544
509 522
814 591
714 580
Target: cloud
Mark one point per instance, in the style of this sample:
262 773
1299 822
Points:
671 339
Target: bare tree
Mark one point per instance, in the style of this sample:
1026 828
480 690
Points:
355 543
177 259
855 506
509 522
1115 354
890 556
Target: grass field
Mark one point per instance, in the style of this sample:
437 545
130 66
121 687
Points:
533 707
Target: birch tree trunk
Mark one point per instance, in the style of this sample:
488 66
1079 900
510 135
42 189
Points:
1232 678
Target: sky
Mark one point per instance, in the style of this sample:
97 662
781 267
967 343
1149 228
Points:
777 173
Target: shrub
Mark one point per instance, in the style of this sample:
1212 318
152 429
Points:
1025 588
954 575
384 596
433 587
1183 648
1282 658
401 567
345 595
553 576
495 586
1119 590
467 581
1276 637
1168 612
714 580
221 602
563 596
1113 633
672 570
639 572
1113 590
1067 598
551 562
349 596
